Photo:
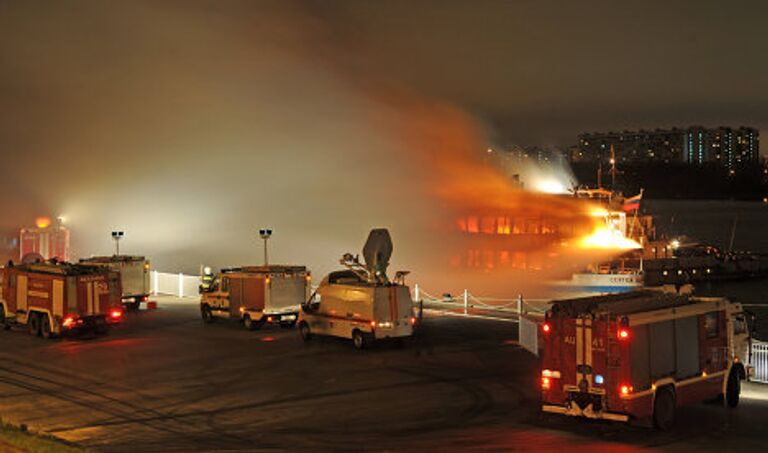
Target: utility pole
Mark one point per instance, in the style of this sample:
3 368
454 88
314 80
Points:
265 234
613 167
116 236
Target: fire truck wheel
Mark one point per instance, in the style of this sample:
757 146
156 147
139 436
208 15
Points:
733 390
664 409
33 323
250 324
205 312
45 327
359 339
306 335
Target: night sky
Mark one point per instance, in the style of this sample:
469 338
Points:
539 72
189 124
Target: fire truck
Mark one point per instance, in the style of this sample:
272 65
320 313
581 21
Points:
53 298
134 276
256 295
361 302
641 355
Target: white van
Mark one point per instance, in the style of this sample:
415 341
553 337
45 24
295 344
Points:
361 303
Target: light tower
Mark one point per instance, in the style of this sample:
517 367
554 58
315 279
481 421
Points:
265 234
116 236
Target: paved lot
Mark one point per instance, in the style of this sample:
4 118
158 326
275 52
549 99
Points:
165 382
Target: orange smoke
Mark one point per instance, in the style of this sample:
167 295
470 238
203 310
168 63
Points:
485 232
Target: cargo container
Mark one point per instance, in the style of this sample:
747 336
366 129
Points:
134 276
51 299
256 295
641 355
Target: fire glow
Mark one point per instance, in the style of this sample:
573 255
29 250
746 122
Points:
605 237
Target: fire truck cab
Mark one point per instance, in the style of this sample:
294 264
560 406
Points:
641 355
51 299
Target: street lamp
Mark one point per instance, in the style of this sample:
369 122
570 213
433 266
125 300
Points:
116 236
265 234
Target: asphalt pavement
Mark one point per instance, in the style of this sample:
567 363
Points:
164 381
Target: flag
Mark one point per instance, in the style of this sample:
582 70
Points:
633 204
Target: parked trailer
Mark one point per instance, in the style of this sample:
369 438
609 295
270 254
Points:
257 295
641 355
134 276
52 299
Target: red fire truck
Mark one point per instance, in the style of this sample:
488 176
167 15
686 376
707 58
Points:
46 240
640 355
52 298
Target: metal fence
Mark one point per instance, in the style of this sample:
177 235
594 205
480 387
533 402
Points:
759 360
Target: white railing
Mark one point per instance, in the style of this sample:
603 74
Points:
467 302
759 360
179 285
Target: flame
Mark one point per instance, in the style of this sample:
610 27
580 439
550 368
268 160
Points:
43 222
550 185
605 237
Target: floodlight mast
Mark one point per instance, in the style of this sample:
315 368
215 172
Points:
265 234
116 236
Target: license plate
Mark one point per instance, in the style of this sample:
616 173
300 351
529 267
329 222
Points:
288 318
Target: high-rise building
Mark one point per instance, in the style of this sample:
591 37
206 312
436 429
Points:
694 145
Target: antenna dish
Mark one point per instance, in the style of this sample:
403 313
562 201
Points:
377 252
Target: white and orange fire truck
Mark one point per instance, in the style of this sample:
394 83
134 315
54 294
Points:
641 355
55 298
257 295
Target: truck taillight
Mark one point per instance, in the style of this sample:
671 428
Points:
68 321
545 383
623 334
115 314
413 320
626 389
546 327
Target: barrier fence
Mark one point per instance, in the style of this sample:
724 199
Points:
179 285
467 302
759 361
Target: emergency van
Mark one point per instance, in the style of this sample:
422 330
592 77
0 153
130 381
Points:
51 298
134 276
256 295
361 303
641 355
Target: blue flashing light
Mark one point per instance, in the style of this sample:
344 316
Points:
599 379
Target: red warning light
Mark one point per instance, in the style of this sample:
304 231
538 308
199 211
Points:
623 334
